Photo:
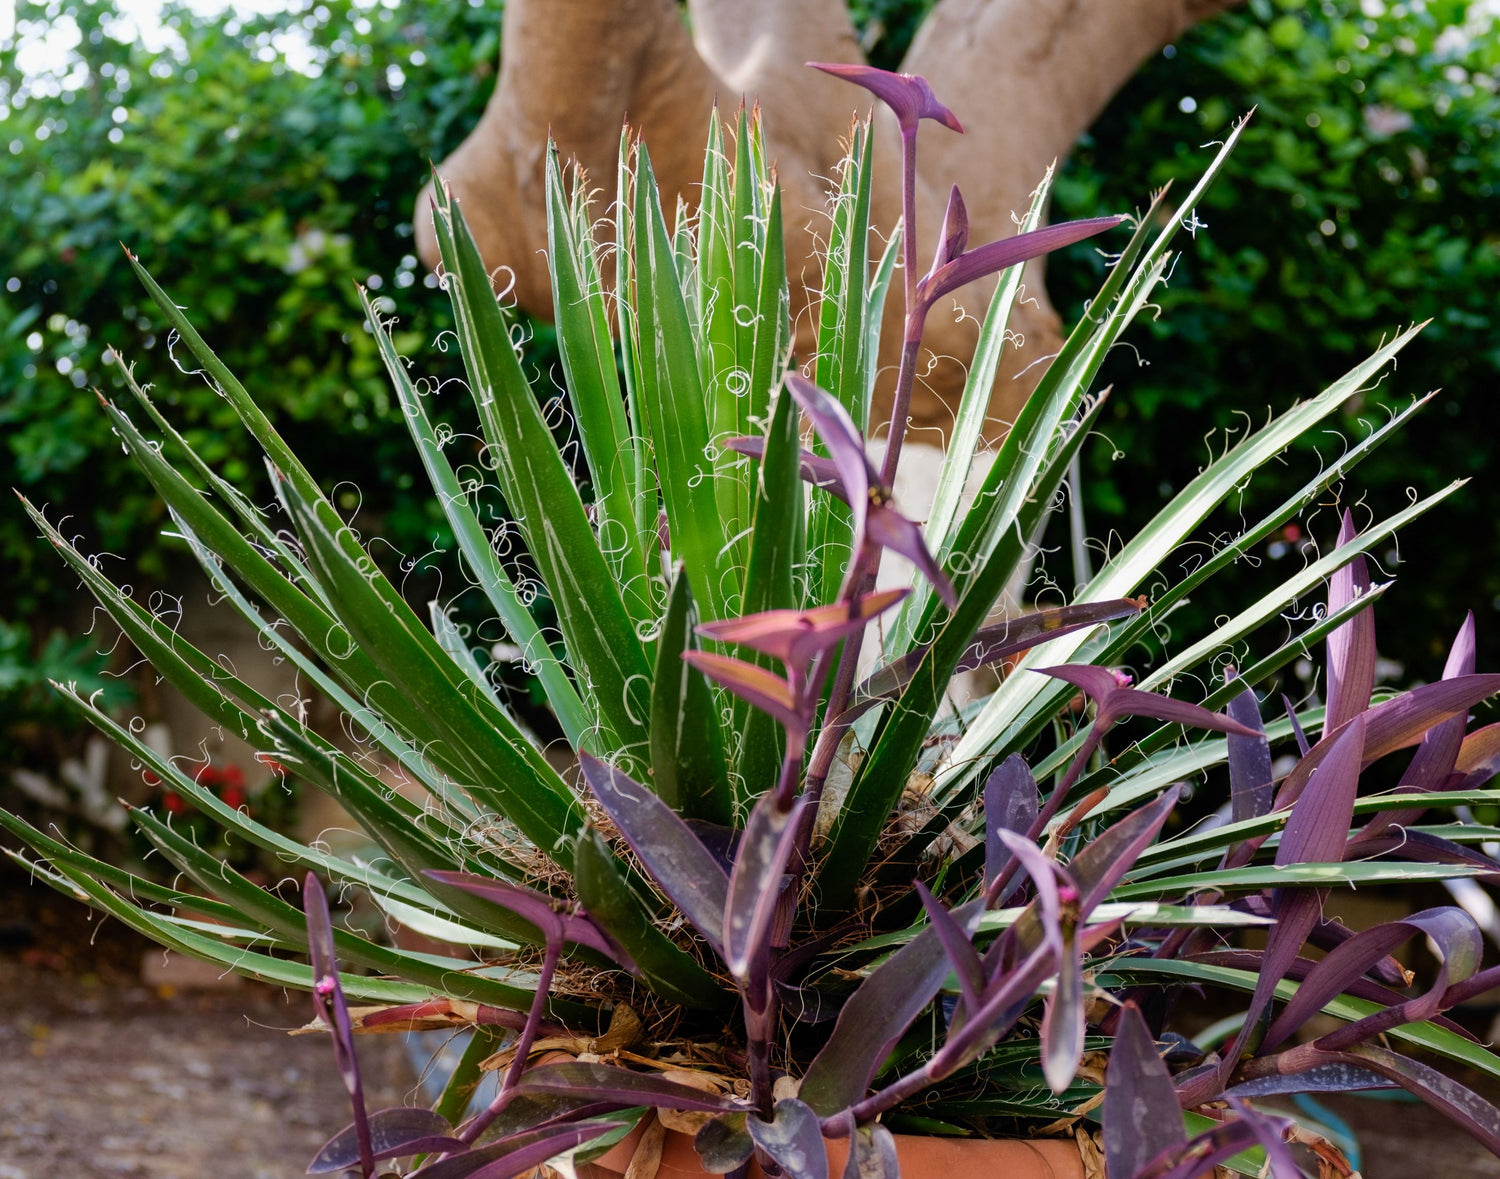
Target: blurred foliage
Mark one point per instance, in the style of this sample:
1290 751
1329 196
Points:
264 165
1362 197
261 166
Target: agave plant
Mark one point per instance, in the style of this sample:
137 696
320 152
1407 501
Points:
786 890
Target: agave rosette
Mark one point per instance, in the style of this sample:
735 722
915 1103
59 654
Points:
738 846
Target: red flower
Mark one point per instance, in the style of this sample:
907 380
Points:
231 777
174 802
234 796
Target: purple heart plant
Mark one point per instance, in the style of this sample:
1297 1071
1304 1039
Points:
765 875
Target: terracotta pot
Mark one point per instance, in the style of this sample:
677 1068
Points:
921 1158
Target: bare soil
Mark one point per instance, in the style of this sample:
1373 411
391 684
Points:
102 1076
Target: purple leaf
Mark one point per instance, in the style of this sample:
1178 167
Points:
957 945
1016 634
1478 759
764 689
1351 647
1114 700
872 1154
603 1082
1396 723
1270 1132
1459 1104
517 1155
1251 785
1063 1019
813 468
1141 1116
874 517
1424 848
1319 823
1315 832
796 637
1291 715
1323 1078
1438 754
994 642
909 96
1459 942
328 1001
845 446
1000 255
1106 858
724 1144
793 1138
1047 909
393 1133
755 886
1011 802
954 235
1360 988
877 1015
889 529
1205 1152
683 868
555 924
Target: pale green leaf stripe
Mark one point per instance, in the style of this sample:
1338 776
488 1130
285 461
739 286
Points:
1145 552
1146 767
288 851
278 971
671 392
973 407
250 516
880 779
880 287
588 358
384 735
282 919
386 600
1300 875
1202 844
1346 1007
474 544
604 649
470 739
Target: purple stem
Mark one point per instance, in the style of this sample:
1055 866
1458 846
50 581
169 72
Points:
963 1044
480 1122
911 342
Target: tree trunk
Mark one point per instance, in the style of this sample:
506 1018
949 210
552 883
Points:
1026 78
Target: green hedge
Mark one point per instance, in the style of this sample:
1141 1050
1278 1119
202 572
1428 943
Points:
264 166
